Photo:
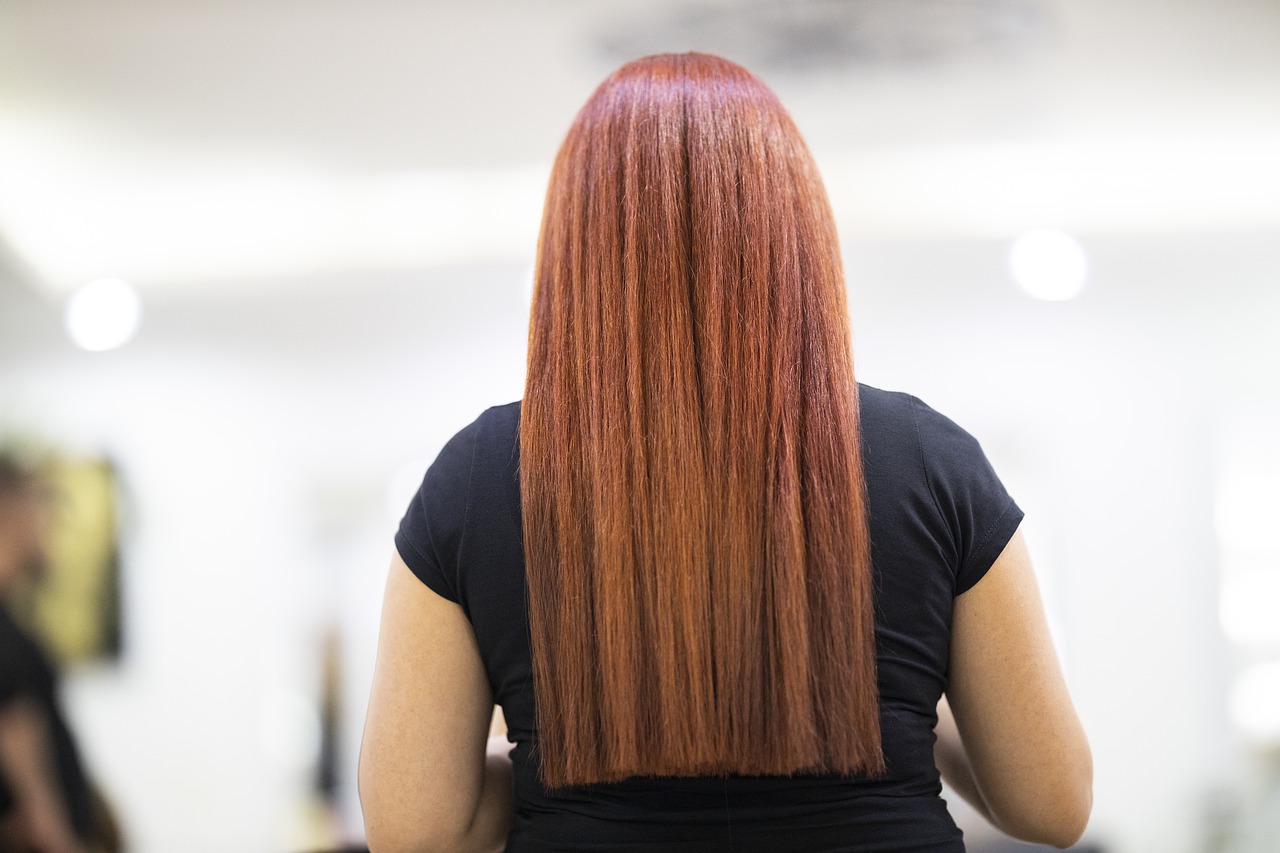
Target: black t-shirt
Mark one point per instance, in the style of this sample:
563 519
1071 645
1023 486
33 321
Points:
939 516
27 673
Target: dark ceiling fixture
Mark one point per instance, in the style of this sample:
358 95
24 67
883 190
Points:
815 36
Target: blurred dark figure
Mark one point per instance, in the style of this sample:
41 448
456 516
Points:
47 804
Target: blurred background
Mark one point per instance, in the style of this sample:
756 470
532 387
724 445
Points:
258 261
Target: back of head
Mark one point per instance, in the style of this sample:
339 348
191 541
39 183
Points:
694 510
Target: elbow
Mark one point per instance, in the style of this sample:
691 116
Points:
1077 805
388 833
396 825
377 843
1061 829
392 825
1068 826
1061 818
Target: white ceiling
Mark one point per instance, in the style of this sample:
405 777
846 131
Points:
196 142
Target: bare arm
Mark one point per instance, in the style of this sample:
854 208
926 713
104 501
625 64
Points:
1029 767
26 757
953 764
430 778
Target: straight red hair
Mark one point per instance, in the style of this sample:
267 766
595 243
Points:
694 508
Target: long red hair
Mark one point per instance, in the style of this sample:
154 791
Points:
694 508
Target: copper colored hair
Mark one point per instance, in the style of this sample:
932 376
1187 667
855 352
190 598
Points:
693 503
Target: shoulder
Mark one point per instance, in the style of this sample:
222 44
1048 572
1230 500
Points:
492 425
497 435
908 418
877 399
494 421
505 410
879 405
886 418
502 418
912 446
901 410
432 535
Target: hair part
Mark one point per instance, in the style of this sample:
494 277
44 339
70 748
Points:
694 508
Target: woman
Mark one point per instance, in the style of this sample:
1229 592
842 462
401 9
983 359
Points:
48 803
717 586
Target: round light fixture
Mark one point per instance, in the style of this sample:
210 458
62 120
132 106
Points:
1048 264
103 314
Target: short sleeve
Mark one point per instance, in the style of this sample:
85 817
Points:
429 538
972 500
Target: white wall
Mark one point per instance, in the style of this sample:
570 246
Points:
256 442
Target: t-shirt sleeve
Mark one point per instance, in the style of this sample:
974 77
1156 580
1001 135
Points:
972 500
430 534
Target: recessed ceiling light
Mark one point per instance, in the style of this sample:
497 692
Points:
1048 264
103 314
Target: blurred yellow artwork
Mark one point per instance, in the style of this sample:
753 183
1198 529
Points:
75 606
